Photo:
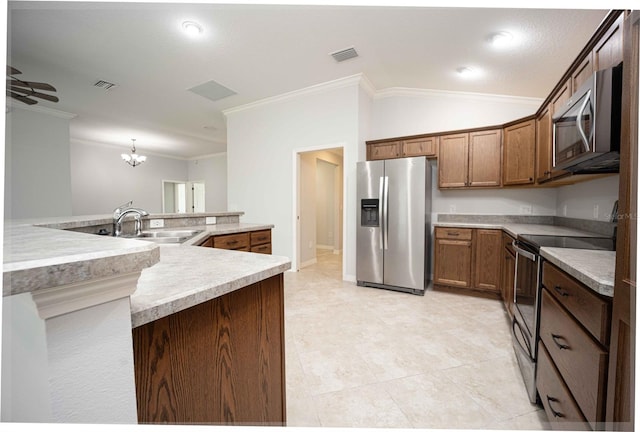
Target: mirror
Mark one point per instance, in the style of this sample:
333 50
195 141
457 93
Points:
182 196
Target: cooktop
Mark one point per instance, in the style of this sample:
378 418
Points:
594 243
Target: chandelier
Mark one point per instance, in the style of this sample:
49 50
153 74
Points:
133 159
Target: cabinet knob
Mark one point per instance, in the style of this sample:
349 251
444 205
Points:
530 179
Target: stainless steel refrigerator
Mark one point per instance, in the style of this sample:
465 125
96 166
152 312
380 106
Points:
394 224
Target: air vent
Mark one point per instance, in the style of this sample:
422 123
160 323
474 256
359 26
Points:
106 85
344 54
212 90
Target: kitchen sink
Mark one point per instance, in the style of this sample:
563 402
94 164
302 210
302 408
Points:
169 236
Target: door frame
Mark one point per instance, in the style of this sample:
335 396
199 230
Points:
295 208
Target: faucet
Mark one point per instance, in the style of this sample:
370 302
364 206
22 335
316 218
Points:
121 212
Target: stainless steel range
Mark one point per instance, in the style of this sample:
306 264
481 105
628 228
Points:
527 285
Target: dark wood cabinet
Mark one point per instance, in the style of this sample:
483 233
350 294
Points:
544 148
470 160
427 146
485 148
254 241
574 331
218 363
468 258
519 153
582 73
487 246
608 51
620 411
386 150
452 257
453 160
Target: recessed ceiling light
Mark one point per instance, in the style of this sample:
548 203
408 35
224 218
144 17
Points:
192 28
501 39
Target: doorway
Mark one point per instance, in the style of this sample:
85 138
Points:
319 205
182 196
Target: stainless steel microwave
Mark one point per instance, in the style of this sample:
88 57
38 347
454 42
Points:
586 131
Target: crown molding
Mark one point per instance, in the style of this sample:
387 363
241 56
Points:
314 89
11 105
413 92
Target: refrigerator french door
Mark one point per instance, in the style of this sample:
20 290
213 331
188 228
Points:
394 210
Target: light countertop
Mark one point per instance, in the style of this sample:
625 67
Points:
595 269
173 278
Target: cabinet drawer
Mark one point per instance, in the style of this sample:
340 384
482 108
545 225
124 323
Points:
260 237
556 398
454 233
593 312
263 248
507 243
207 243
578 357
232 241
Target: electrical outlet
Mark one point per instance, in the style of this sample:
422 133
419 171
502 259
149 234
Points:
156 223
525 209
452 208
596 211
210 220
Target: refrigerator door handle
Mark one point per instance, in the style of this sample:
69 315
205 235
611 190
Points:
382 211
385 217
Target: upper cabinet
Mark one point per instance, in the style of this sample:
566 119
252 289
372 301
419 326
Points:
608 50
470 159
423 146
519 153
427 146
387 150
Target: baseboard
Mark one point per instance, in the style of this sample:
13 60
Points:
308 263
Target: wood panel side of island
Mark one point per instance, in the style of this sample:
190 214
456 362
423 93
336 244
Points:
219 362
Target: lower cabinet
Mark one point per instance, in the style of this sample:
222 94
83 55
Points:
574 335
221 362
254 241
468 258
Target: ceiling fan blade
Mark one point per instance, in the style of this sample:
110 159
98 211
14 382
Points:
21 98
35 94
12 71
33 85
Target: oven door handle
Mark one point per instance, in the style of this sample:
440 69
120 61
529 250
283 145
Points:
527 346
533 257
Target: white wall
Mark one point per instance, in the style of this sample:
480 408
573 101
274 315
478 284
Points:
101 181
578 200
307 205
37 163
262 141
213 170
401 112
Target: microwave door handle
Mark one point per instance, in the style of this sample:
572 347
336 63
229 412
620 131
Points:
585 140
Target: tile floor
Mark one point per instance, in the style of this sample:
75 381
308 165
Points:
364 357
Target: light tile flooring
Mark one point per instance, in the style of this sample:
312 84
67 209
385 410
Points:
364 357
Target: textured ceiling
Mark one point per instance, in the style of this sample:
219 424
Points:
260 51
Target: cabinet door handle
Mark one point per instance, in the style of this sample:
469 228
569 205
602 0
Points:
232 242
555 413
560 291
558 344
453 234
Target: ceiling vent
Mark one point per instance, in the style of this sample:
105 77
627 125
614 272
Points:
106 85
212 91
344 54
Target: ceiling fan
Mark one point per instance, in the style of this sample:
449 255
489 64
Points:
24 91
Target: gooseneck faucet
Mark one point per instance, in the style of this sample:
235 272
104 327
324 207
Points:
123 211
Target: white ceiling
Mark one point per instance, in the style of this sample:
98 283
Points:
260 51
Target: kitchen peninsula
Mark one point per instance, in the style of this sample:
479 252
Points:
70 298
